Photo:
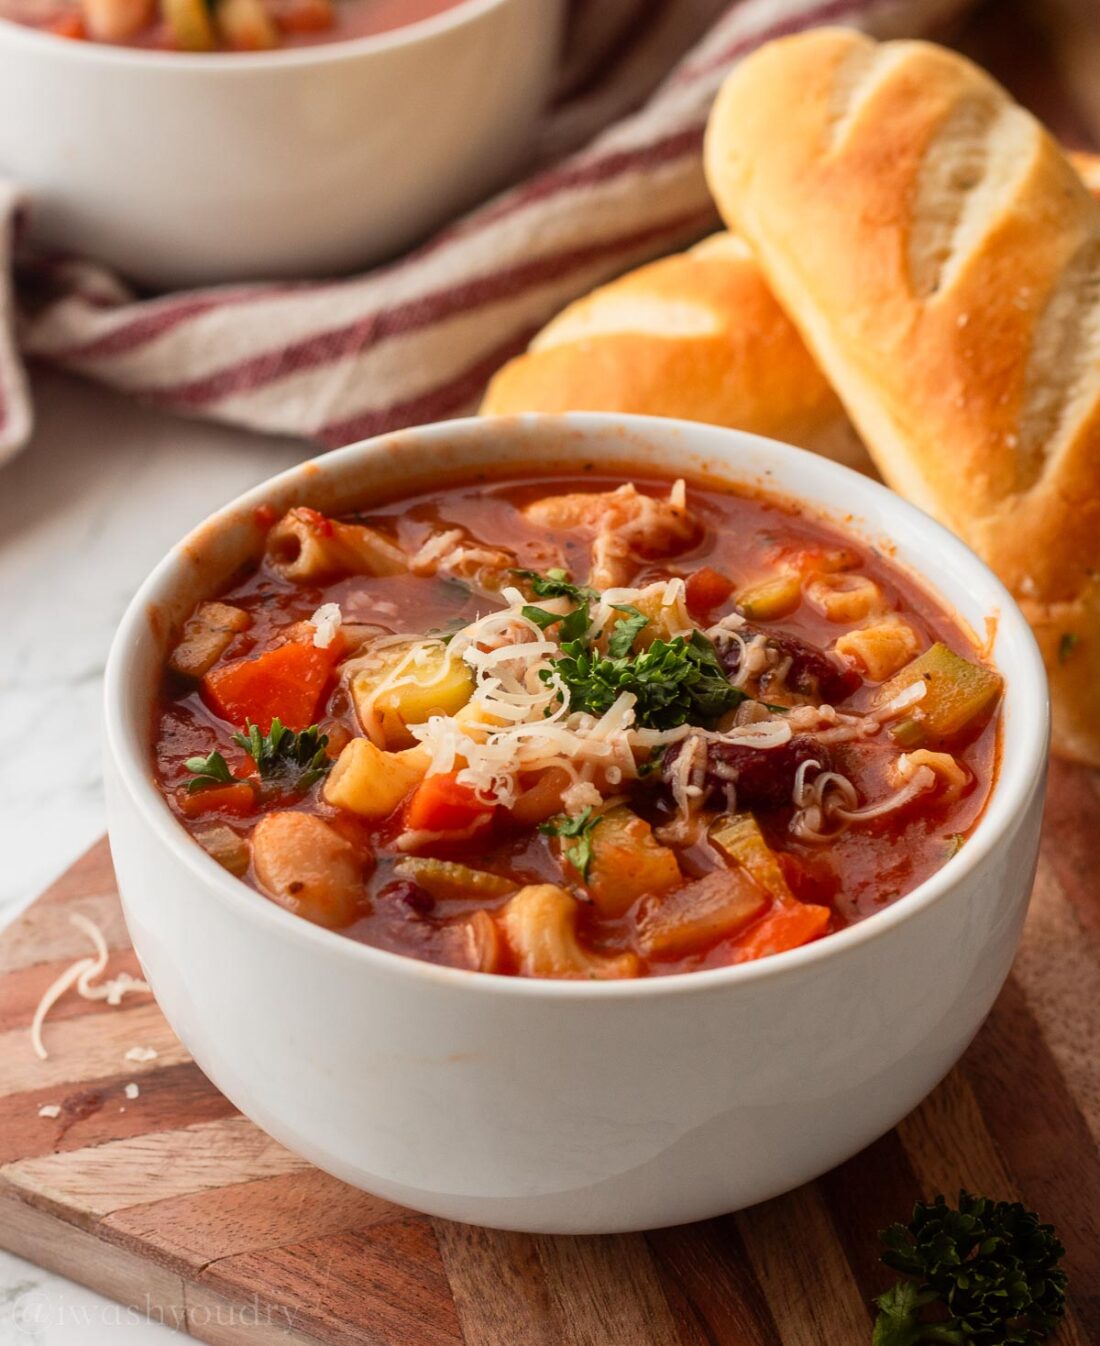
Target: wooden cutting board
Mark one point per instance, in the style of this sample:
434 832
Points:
172 1202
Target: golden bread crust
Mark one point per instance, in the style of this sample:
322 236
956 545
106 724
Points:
941 257
696 335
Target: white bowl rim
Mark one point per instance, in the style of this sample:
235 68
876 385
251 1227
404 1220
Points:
1016 780
219 63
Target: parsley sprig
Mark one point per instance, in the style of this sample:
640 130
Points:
208 772
296 759
292 760
580 827
556 584
574 624
985 1274
679 681
622 638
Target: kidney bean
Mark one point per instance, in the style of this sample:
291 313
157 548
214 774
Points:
763 778
812 672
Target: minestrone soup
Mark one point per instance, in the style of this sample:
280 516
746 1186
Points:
576 728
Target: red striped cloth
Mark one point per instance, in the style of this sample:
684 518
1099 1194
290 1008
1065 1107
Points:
416 340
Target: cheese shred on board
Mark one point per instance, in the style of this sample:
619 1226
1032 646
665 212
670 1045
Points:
83 974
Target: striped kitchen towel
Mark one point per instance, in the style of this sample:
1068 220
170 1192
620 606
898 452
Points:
415 340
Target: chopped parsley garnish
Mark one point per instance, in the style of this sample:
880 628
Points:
208 772
581 827
556 584
626 632
678 681
675 682
574 624
652 762
985 1274
297 759
1067 645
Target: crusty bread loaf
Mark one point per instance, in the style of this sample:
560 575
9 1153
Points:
941 258
1088 169
696 335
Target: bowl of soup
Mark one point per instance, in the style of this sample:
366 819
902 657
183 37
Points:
186 143
574 823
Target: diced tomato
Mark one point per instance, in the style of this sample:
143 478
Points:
287 681
266 516
235 799
321 522
443 804
68 25
790 925
304 16
705 589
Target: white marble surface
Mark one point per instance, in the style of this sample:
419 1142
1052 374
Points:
85 511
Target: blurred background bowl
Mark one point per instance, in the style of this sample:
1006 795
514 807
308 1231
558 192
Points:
183 169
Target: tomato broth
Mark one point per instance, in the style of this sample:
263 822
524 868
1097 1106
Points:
728 727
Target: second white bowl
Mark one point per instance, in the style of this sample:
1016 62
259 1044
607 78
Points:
182 169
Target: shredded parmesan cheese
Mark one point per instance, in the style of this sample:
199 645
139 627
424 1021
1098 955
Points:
131 1091
452 552
49 1110
141 1054
326 622
908 696
579 796
829 803
81 975
426 560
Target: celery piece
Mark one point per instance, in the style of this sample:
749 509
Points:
445 879
739 837
231 851
771 599
699 914
958 697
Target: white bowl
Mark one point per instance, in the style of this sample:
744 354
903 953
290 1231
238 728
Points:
567 1106
182 169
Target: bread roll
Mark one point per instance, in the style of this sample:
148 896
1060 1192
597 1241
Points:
941 257
696 335
1088 169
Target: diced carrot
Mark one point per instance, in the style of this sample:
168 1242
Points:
442 803
790 925
705 589
68 25
235 799
287 681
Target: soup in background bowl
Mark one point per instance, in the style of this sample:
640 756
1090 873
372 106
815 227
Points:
225 25
568 1102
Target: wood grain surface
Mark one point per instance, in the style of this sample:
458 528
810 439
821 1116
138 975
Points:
174 1203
